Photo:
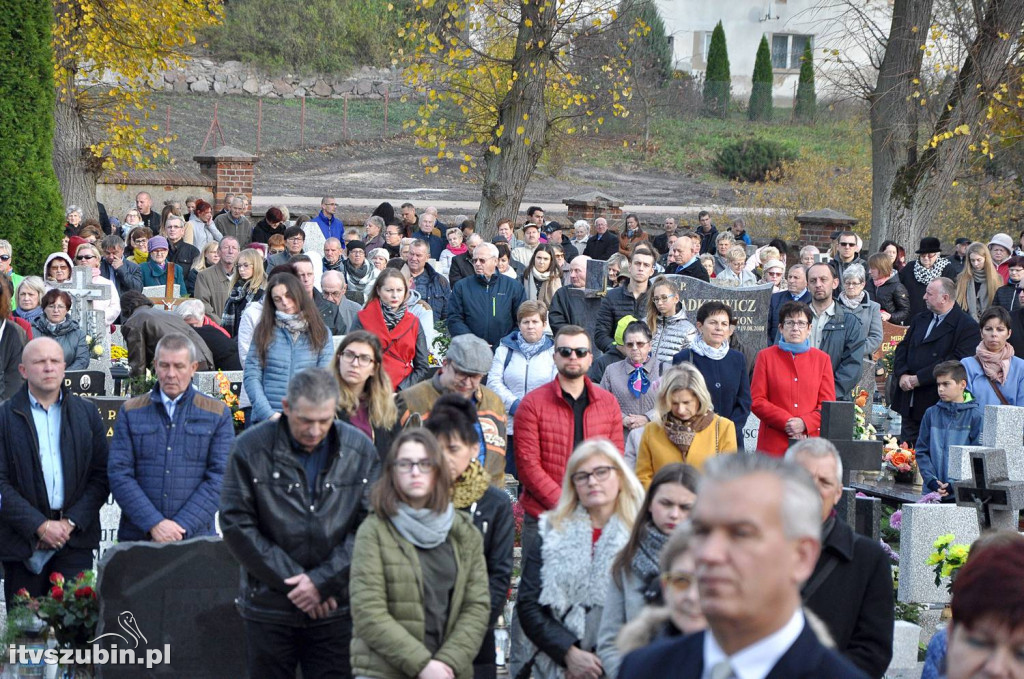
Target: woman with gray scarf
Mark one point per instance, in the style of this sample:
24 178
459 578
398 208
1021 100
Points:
856 300
977 284
420 607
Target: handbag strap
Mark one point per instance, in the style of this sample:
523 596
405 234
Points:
992 382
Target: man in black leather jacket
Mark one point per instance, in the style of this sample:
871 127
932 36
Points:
294 494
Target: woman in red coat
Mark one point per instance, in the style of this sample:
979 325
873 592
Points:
791 380
401 336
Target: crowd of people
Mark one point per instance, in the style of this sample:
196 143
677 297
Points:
365 499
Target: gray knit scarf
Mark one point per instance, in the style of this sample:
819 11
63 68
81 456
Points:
424 528
645 560
852 304
704 349
392 317
293 324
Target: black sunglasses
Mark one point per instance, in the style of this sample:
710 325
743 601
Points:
5 258
566 352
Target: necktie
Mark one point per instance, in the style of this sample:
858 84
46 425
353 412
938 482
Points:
722 670
931 326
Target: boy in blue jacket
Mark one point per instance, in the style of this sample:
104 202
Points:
954 421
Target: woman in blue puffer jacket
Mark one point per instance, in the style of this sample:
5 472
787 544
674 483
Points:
289 337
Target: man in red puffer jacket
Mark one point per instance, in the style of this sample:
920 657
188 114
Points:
552 420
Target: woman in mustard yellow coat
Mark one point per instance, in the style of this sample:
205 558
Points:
687 428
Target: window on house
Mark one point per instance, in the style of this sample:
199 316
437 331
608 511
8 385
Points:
706 46
787 50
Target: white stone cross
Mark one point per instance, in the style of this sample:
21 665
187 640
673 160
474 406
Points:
83 292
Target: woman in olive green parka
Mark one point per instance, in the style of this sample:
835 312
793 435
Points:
418 586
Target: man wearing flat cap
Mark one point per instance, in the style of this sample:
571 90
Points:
467 361
928 266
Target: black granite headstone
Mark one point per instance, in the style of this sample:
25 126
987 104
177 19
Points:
837 422
85 382
749 306
181 596
597 278
108 408
863 514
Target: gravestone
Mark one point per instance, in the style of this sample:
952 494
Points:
596 284
862 514
750 433
181 595
905 640
85 382
892 335
206 382
922 525
1003 427
83 293
749 306
315 241
997 500
110 513
837 423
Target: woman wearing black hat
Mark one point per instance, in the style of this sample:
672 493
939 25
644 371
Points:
928 266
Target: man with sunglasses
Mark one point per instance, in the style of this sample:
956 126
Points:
847 254
552 420
464 367
7 263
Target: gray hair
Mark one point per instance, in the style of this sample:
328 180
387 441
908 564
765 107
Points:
175 341
332 241
191 308
34 282
581 223
816 448
854 272
330 275
801 267
73 208
474 240
285 215
725 236
112 241
800 501
809 250
948 286
174 218
378 252
238 200
739 221
376 221
5 247
225 239
489 248
315 385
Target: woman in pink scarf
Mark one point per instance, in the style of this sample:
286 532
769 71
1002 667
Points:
994 375
455 248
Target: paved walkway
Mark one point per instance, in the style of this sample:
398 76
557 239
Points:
469 206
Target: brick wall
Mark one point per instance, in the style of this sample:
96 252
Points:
592 212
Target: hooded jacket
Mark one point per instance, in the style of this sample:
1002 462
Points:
944 425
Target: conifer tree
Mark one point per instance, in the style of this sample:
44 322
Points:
717 79
806 100
761 91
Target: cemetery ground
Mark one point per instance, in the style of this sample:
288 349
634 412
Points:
677 167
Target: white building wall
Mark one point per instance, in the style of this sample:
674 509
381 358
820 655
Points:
829 25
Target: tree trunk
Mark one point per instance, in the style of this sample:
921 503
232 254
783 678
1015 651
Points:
507 173
73 161
908 183
76 167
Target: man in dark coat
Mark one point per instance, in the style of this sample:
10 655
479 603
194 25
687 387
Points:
555 237
603 243
796 280
486 304
629 299
942 333
122 272
53 476
295 555
851 587
687 261
144 326
707 232
751 560
568 305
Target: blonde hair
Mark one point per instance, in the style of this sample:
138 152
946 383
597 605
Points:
200 262
380 397
993 281
259 274
737 253
631 493
652 308
683 376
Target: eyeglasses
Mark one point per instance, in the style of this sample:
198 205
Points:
847 245
357 359
663 298
57 307
680 582
244 265
853 284
599 473
481 260
796 324
84 258
465 377
405 466
566 352
5 258
295 239
637 345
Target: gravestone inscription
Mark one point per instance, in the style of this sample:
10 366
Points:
85 382
749 306
180 596
837 425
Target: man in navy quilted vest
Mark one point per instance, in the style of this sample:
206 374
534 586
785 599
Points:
169 451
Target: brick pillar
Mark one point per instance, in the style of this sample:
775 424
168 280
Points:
816 228
592 205
232 171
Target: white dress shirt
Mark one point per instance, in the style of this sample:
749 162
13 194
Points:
758 659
